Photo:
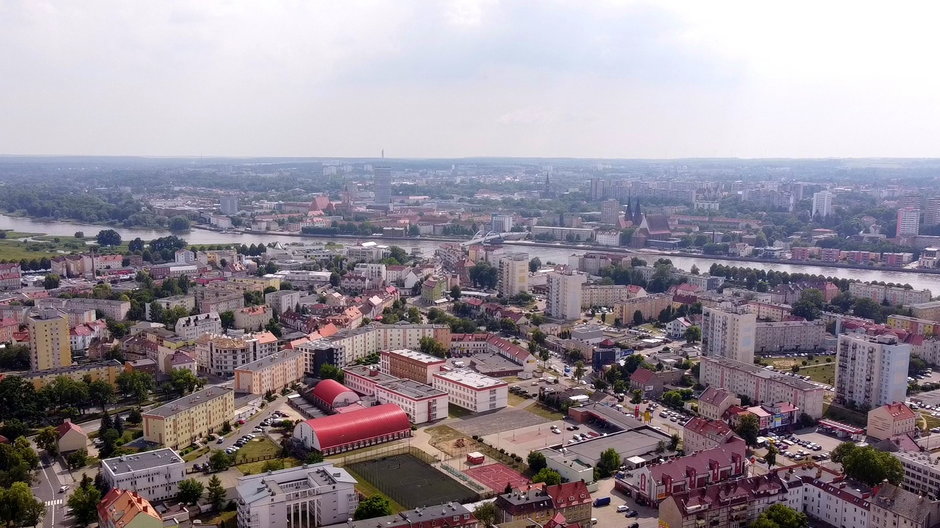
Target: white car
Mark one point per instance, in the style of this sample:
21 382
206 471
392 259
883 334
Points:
623 508
63 489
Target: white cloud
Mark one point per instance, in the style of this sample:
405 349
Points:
466 78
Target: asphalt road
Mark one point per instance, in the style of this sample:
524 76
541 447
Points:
47 490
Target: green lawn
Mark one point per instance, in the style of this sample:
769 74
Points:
259 447
515 399
545 412
252 468
193 455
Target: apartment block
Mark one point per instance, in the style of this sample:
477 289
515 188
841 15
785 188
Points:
194 326
350 345
183 421
271 373
913 325
762 385
283 300
220 355
11 276
729 334
154 475
894 295
893 507
649 307
49 345
422 403
116 310
564 295
187 302
608 294
513 274
871 370
253 318
308 495
107 370
926 310
410 364
789 335
472 391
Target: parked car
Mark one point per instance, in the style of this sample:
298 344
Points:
623 508
633 513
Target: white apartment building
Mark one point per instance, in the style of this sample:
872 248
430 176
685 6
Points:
350 345
564 295
154 475
908 221
501 223
283 300
220 355
472 391
921 472
762 385
895 295
822 204
871 370
729 334
608 294
272 373
190 328
376 273
777 336
411 364
513 274
304 496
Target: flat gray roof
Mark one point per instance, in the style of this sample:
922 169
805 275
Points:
412 389
72 368
637 442
189 401
141 461
273 359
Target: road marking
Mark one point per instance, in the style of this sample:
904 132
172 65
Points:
55 502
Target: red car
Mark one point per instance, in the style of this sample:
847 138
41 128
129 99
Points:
240 422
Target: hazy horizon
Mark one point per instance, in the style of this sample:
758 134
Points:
607 80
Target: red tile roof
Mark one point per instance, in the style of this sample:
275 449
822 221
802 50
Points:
569 494
67 426
899 411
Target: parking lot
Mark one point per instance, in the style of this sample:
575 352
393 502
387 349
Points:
609 516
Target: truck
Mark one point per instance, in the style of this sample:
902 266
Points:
601 501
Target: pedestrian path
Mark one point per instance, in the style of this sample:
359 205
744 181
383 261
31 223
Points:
55 502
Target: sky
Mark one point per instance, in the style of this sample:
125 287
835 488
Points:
549 78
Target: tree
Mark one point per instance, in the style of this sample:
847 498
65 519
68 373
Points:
748 428
215 492
48 440
637 396
608 463
535 264
118 424
178 223
536 460
431 346
374 506
455 292
549 476
867 308
693 334
79 234
101 393
810 304
868 465
134 416
51 281
578 370
841 451
136 384
637 318
184 381
18 506
136 245
108 237
771 456
674 442
220 460
486 513
190 491
228 319
77 459
781 516
84 504
332 372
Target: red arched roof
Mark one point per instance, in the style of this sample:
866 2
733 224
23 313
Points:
339 429
328 390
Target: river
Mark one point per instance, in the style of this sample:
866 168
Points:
558 255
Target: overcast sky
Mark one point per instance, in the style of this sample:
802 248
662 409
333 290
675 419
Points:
618 79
